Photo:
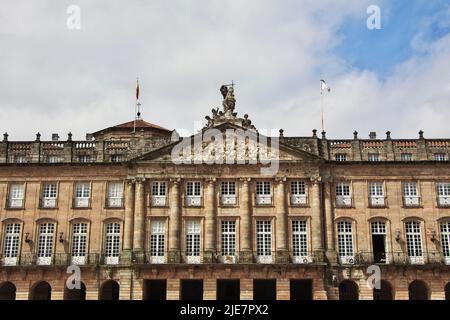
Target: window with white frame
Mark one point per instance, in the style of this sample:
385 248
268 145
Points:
345 242
112 243
445 238
49 194
193 193
376 194
79 243
298 192
263 192
406 157
193 232
414 241
410 194
157 241
45 243
264 240
443 191
11 244
228 192
115 194
82 194
228 237
116 158
373 157
20 158
342 190
84 158
341 157
16 195
54 159
439 157
299 239
159 193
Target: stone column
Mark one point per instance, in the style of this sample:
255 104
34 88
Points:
138 239
245 234
329 223
174 222
128 224
210 221
316 219
281 222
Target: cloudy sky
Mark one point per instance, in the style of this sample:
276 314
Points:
54 79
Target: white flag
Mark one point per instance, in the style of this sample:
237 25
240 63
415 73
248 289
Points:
324 86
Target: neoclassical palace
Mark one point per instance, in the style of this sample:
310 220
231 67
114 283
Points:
146 214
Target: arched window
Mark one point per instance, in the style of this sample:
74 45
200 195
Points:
41 291
445 239
418 290
385 291
348 290
112 243
79 243
45 243
7 291
75 294
109 290
345 242
11 244
414 242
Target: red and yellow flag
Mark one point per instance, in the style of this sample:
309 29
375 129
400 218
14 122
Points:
137 89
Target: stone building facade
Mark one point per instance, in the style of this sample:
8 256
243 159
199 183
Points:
141 225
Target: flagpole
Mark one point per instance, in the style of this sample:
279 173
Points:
321 105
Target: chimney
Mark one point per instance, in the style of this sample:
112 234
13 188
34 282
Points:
372 135
55 137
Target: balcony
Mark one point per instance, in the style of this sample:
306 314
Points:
377 201
228 200
298 200
394 258
81 203
262 199
193 201
443 201
411 201
48 203
343 201
15 203
159 201
114 202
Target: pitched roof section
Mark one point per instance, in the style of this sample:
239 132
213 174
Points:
140 125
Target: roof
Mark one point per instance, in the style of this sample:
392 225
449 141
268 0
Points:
140 124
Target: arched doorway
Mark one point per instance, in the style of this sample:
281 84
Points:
41 291
447 291
75 294
384 293
348 290
418 290
7 291
109 290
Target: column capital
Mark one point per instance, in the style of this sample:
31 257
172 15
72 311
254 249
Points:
316 179
175 180
281 180
129 181
211 180
245 180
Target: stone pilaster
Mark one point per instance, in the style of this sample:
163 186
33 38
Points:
281 222
174 222
246 222
329 223
246 289
128 224
316 219
210 221
138 239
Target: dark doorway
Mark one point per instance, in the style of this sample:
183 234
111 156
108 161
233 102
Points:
155 289
384 293
41 291
447 291
418 290
228 289
109 290
7 291
75 294
264 289
348 290
301 289
191 289
379 248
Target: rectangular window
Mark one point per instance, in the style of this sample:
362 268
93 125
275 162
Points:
299 241
157 241
264 241
376 194
406 157
16 195
53 159
159 191
410 194
115 194
49 195
298 193
439 157
20 158
345 242
373 157
445 238
193 193
443 191
193 231
343 198
116 158
84 158
112 243
228 192
263 192
414 241
228 236
79 243
45 243
341 157
82 194
11 244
